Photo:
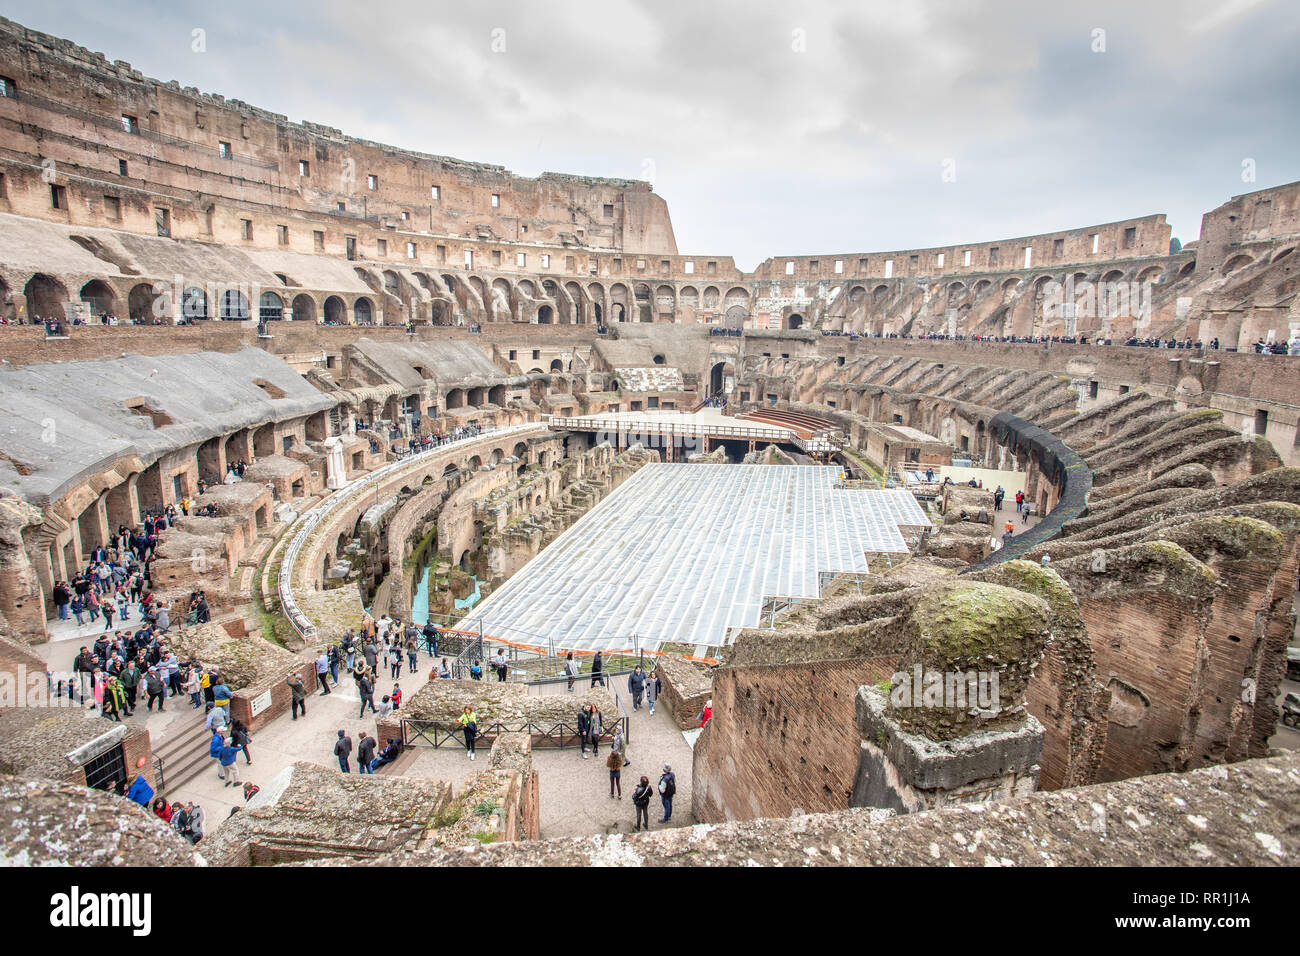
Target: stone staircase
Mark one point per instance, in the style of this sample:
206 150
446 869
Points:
184 751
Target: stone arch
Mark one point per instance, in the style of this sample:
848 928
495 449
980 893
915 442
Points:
1151 274
142 303
1114 275
879 292
527 288
1187 270
46 296
545 315
497 395
579 306
270 307
100 297
712 296
735 317
557 366
455 398
475 463
982 285
1282 254
194 303
665 303
1237 263
233 306
619 302
336 313
304 308
794 321
364 311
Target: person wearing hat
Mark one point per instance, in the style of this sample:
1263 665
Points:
667 790
707 713
343 750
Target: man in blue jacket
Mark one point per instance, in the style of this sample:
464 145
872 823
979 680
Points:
229 769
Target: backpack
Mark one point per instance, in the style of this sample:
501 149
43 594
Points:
667 786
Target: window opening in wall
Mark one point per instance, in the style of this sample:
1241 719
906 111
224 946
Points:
121 167
435 192
521 260
496 257
381 246
112 207
789 268
1261 421
406 216
889 268
304 168
1096 242
993 255
939 260
839 266
1130 237
689 268
1094 389
282 235
351 246
342 207
58 197
246 228
469 258
609 210
162 219
7 88
411 250
442 255
318 240
224 149
1029 252
130 125
1058 248
496 201
372 182
546 261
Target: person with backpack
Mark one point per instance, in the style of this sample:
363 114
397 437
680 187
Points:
240 739
641 800
469 724
367 691
667 790
571 670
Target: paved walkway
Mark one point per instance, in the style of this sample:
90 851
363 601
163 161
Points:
574 793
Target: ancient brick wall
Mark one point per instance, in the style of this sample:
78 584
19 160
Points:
782 737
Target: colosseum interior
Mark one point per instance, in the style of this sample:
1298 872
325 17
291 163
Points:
359 382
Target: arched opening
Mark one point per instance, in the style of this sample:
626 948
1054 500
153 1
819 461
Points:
194 304
497 456
270 307
545 315
658 360
475 463
735 317
794 322
455 398
364 311
464 561
304 308
557 366
144 304
336 313
1236 263
476 396
718 377
99 296
449 471
233 306
521 451
497 395
45 297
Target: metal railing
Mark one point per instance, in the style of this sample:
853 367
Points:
648 426
562 735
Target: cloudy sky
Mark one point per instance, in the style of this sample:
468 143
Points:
776 128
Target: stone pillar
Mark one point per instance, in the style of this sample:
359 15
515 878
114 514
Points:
336 471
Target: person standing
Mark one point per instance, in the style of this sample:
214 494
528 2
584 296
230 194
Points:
239 738
395 659
500 665
367 691
615 765
636 686
469 724
192 686
412 649
343 750
323 672
431 638
154 688
229 769
334 659
619 744
84 666
641 800
365 753
667 790
571 670
130 681
652 687
597 671
299 691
